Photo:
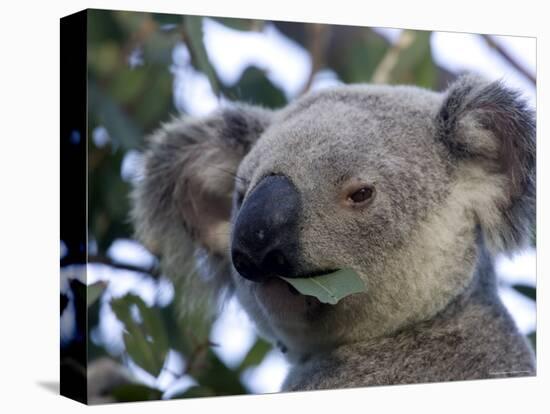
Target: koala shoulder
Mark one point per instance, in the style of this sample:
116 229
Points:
435 351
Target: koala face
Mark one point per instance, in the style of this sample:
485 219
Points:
400 184
354 189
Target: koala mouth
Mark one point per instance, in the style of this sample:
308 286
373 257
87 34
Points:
292 289
312 274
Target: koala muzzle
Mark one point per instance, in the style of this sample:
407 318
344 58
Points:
265 234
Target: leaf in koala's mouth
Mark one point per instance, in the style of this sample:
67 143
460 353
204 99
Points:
329 288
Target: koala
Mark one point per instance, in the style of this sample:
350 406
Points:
415 190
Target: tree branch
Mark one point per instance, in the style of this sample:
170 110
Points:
317 46
384 70
509 58
153 271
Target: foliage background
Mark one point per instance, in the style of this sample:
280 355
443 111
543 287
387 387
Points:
136 65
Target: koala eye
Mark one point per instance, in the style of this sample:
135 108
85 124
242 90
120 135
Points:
361 195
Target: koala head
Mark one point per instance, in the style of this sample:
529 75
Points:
401 184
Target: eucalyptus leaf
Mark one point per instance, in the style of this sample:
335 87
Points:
329 288
195 391
254 86
255 355
95 290
526 290
212 373
135 392
145 340
199 55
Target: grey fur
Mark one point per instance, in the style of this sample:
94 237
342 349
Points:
454 178
183 200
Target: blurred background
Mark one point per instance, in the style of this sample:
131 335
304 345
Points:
145 68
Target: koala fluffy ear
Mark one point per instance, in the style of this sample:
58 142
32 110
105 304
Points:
488 125
182 201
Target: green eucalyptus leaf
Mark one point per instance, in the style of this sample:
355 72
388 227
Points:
329 288
136 392
145 339
195 391
255 355
139 349
199 55
255 87
163 19
526 290
95 290
213 374
123 131
238 24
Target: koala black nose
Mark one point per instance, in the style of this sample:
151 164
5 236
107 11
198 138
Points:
265 235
